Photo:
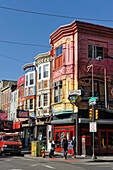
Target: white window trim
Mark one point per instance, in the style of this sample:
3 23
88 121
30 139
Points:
29 85
42 72
47 99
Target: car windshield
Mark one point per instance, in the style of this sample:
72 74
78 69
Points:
11 138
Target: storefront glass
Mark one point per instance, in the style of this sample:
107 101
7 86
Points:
110 140
103 143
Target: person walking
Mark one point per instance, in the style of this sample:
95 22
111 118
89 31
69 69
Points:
52 148
73 143
65 147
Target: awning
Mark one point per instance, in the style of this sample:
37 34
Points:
99 121
62 121
61 113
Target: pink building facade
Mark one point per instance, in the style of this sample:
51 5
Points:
82 59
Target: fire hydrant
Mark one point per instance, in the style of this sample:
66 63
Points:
43 152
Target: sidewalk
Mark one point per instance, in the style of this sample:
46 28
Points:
58 156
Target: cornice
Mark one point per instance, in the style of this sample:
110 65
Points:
79 26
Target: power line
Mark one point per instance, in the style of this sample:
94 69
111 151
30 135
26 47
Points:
21 43
53 15
12 58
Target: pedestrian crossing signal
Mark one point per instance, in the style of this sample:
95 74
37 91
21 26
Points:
90 113
96 114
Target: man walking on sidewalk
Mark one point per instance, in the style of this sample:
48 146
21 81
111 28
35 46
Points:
65 147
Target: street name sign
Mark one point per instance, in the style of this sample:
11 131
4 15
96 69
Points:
92 101
76 92
93 127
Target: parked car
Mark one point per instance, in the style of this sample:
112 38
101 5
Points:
10 143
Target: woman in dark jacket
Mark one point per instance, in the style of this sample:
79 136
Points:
65 147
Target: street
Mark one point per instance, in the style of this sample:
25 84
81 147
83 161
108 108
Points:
39 163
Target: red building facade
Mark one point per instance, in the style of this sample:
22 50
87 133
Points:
83 59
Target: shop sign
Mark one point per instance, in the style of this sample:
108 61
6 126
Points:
22 114
25 125
75 92
93 126
6 124
74 99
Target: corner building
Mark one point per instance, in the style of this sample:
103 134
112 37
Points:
82 59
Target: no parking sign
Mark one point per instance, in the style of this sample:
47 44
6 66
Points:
93 127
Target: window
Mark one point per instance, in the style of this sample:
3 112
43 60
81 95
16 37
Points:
39 100
56 95
26 80
45 99
25 104
39 75
58 51
60 93
58 56
46 70
31 78
95 52
31 104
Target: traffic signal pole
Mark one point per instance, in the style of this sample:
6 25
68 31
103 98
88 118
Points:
93 117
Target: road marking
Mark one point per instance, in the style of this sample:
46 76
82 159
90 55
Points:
47 166
104 166
15 169
96 163
34 164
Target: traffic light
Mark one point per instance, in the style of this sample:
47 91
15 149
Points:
96 114
90 113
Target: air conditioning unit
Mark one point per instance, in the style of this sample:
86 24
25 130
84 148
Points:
99 58
53 85
59 82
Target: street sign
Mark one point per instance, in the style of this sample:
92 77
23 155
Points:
93 127
92 101
75 92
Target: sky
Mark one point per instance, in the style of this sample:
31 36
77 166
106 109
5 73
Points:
20 29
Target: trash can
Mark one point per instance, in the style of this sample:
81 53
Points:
34 148
39 147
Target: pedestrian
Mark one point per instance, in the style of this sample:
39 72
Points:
73 144
52 148
65 147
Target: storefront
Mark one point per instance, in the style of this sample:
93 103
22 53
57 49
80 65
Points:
61 128
103 137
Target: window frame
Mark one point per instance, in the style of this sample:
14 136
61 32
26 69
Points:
45 101
59 51
26 80
94 52
39 100
30 104
31 78
26 106
44 72
58 98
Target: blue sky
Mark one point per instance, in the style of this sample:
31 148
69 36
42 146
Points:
36 29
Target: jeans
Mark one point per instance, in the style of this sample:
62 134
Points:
65 152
